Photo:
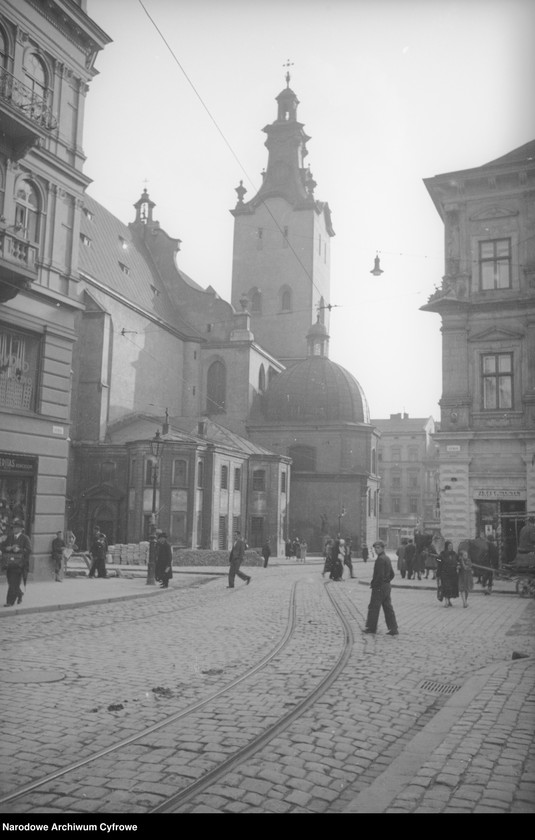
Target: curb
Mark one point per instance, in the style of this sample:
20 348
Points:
380 794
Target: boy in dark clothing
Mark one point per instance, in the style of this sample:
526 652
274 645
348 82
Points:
383 573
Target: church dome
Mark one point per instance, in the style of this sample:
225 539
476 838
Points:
316 390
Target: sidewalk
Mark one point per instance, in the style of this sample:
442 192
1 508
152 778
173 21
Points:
126 582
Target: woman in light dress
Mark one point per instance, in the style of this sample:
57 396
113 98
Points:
465 577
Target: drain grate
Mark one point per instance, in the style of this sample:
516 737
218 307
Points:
438 688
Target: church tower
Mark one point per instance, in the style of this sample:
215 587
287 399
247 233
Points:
281 257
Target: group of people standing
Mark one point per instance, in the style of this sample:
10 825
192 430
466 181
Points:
417 562
296 548
337 554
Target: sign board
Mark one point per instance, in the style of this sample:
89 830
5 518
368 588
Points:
453 447
499 493
17 463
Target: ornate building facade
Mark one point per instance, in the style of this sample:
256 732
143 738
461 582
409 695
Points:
487 307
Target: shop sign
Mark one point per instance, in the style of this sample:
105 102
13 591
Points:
453 447
499 493
17 463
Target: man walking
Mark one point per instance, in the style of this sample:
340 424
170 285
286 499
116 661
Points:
164 561
266 553
237 554
380 597
98 550
18 563
58 545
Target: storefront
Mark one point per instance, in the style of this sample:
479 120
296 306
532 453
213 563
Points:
17 490
500 514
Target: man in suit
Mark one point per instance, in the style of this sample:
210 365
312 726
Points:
18 553
237 555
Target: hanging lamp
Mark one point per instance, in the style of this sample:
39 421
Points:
376 270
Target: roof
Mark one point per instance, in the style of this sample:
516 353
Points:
219 434
316 390
113 255
409 424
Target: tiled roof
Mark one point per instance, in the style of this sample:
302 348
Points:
112 254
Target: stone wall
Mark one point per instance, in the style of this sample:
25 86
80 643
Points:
137 554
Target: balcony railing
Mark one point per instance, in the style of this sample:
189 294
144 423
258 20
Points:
21 97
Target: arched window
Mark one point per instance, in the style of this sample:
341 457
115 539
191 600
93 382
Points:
108 472
216 388
27 210
256 300
3 49
303 458
286 300
261 379
35 76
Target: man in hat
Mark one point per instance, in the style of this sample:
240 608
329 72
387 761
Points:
163 569
98 551
383 573
18 553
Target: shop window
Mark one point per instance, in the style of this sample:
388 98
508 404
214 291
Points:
259 480
216 388
497 375
495 264
19 365
180 472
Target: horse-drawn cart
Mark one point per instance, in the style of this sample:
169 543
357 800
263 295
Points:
522 572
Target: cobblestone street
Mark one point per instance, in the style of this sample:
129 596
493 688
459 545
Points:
438 719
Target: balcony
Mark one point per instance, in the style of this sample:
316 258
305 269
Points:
26 118
18 263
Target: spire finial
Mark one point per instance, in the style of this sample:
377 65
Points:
288 64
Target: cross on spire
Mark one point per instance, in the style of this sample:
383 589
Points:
288 64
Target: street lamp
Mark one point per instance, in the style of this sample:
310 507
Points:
156 448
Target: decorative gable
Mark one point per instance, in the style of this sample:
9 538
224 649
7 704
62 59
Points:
496 334
494 212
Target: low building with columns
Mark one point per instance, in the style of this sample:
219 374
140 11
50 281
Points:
487 306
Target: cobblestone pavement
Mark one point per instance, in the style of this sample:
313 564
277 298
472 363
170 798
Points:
439 718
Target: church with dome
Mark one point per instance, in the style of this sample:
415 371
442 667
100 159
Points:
148 398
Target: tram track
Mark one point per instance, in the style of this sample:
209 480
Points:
253 744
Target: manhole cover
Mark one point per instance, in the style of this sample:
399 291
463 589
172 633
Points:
439 688
34 676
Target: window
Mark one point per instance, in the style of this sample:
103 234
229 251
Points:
413 504
224 477
259 480
200 474
85 240
413 480
497 374
124 268
27 211
123 243
286 300
414 453
180 472
19 364
303 457
257 530
236 525
223 536
35 76
283 482
262 379
256 301
395 453
108 472
396 504
132 473
3 50
396 482
178 528
374 461
237 479
149 471
88 214
216 388
495 264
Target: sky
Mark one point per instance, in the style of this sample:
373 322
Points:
390 91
